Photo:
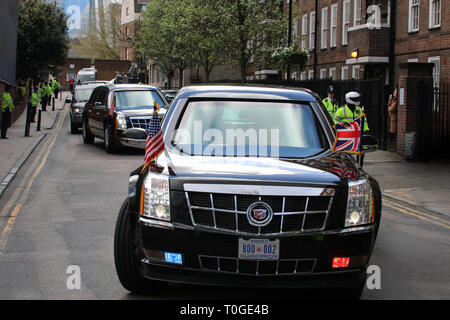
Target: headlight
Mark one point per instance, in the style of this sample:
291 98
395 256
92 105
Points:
155 201
76 110
121 122
360 207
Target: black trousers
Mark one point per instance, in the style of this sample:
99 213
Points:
56 93
44 103
6 122
33 113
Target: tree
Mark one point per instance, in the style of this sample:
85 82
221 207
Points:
165 36
42 38
102 40
257 27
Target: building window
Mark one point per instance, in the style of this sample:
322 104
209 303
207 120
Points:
126 53
311 74
304 31
333 25
312 29
413 20
295 31
126 31
356 12
324 40
344 73
355 72
345 21
333 73
435 13
303 75
323 73
126 11
436 61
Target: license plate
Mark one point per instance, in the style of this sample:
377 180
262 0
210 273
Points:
259 249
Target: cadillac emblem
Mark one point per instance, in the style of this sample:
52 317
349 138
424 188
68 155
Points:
259 214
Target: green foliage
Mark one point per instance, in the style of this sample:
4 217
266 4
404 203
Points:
42 40
210 32
293 55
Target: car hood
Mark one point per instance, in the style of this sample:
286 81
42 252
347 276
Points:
329 169
79 105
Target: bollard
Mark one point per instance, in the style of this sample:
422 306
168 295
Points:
53 103
38 127
27 121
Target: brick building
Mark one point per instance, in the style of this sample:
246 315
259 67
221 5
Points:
386 33
129 24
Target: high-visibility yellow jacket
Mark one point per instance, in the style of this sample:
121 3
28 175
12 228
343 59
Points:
35 99
49 90
331 106
344 114
7 102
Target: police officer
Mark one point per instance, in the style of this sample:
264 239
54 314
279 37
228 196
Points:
330 103
35 98
6 107
56 87
351 111
44 91
49 92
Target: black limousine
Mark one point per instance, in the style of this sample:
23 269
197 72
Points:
248 193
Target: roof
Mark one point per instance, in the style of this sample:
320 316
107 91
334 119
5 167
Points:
247 92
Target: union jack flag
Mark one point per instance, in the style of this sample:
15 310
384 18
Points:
154 144
349 136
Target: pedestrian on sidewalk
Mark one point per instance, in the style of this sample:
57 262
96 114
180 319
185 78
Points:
35 98
6 107
392 109
71 85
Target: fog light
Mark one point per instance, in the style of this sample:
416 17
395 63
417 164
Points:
340 263
173 257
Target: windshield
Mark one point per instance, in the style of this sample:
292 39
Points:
82 77
137 99
248 128
83 94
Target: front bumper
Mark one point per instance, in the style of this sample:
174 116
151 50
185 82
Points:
194 244
76 117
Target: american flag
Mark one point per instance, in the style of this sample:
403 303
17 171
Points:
348 138
154 144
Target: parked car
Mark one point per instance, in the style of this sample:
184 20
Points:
119 114
81 95
286 214
169 94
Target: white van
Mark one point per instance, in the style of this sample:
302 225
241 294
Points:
86 74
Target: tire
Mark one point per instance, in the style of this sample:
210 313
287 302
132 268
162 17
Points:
88 137
126 256
73 128
110 141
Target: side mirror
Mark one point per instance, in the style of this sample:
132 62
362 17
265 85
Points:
369 143
98 104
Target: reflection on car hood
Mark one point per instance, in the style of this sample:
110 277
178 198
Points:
141 110
329 169
79 104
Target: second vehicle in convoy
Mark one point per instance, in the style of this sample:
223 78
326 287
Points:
81 95
120 114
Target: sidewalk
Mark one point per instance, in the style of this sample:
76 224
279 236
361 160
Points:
423 185
15 150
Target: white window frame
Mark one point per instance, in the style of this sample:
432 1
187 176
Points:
333 25
356 69
344 73
436 61
311 74
295 29
323 73
324 29
333 73
412 27
312 29
303 75
304 30
357 7
432 23
345 21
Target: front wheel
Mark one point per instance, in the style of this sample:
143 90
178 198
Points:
110 142
127 257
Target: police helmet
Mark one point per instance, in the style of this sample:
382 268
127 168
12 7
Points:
353 97
330 89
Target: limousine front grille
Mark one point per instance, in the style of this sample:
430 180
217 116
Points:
138 122
256 267
228 212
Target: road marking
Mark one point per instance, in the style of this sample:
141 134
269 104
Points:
22 191
419 214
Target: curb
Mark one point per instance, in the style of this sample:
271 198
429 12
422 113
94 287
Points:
410 204
53 122
12 173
